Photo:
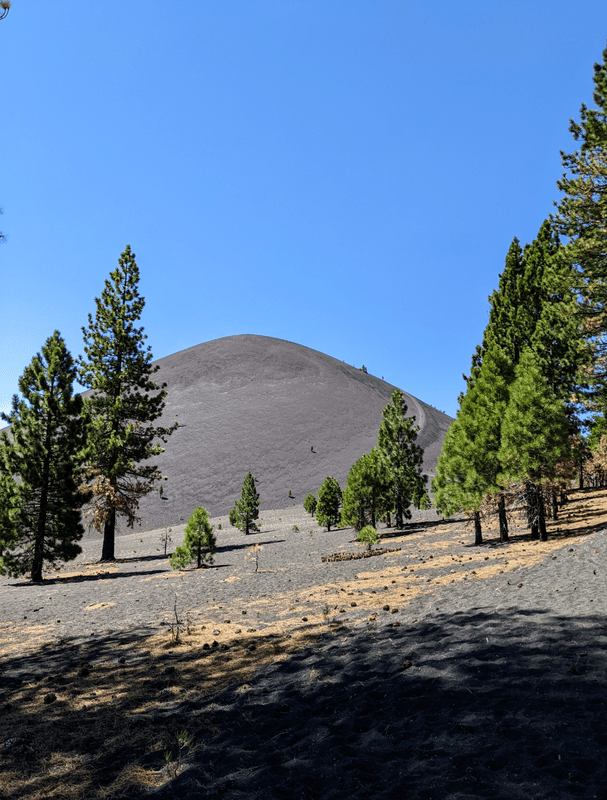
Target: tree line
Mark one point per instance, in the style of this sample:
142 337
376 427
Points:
532 416
65 453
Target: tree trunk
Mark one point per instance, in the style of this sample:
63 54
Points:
478 532
581 473
555 505
388 520
541 513
38 558
501 509
399 514
109 531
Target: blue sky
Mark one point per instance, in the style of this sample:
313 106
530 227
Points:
346 174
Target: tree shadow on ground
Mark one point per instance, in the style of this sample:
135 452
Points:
245 545
481 704
84 578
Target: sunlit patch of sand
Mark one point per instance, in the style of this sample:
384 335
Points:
97 606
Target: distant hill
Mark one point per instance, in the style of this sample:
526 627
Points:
257 403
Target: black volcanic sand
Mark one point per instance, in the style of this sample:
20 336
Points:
258 403
447 679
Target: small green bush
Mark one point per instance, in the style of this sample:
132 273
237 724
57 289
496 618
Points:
295 528
369 536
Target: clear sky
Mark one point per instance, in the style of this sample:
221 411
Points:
345 174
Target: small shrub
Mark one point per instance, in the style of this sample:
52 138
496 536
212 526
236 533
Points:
219 527
184 747
295 529
369 536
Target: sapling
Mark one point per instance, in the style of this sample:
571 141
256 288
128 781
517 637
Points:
199 543
253 552
310 503
369 536
166 539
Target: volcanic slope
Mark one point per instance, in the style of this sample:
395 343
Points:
257 403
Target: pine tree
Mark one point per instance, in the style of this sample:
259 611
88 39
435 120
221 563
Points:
367 492
40 521
199 543
246 509
469 468
124 403
329 501
534 307
535 435
582 217
509 318
309 504
402 456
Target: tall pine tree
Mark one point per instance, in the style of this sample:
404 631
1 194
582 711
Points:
40 521
397 444
582 217
468 468
124 403
535 435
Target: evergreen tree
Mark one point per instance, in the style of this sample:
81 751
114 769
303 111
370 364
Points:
509 323
40 521
402 456
582 217
535 435
199 543
367 492
329 501
534 307
246 510
310 504
368 535
123 405
469 468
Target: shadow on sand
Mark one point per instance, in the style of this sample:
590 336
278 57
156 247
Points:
483 704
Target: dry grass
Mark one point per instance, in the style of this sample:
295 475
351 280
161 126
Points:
111 722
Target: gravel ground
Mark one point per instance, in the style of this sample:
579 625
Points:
438 670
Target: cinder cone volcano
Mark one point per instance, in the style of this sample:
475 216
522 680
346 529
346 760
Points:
256 403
